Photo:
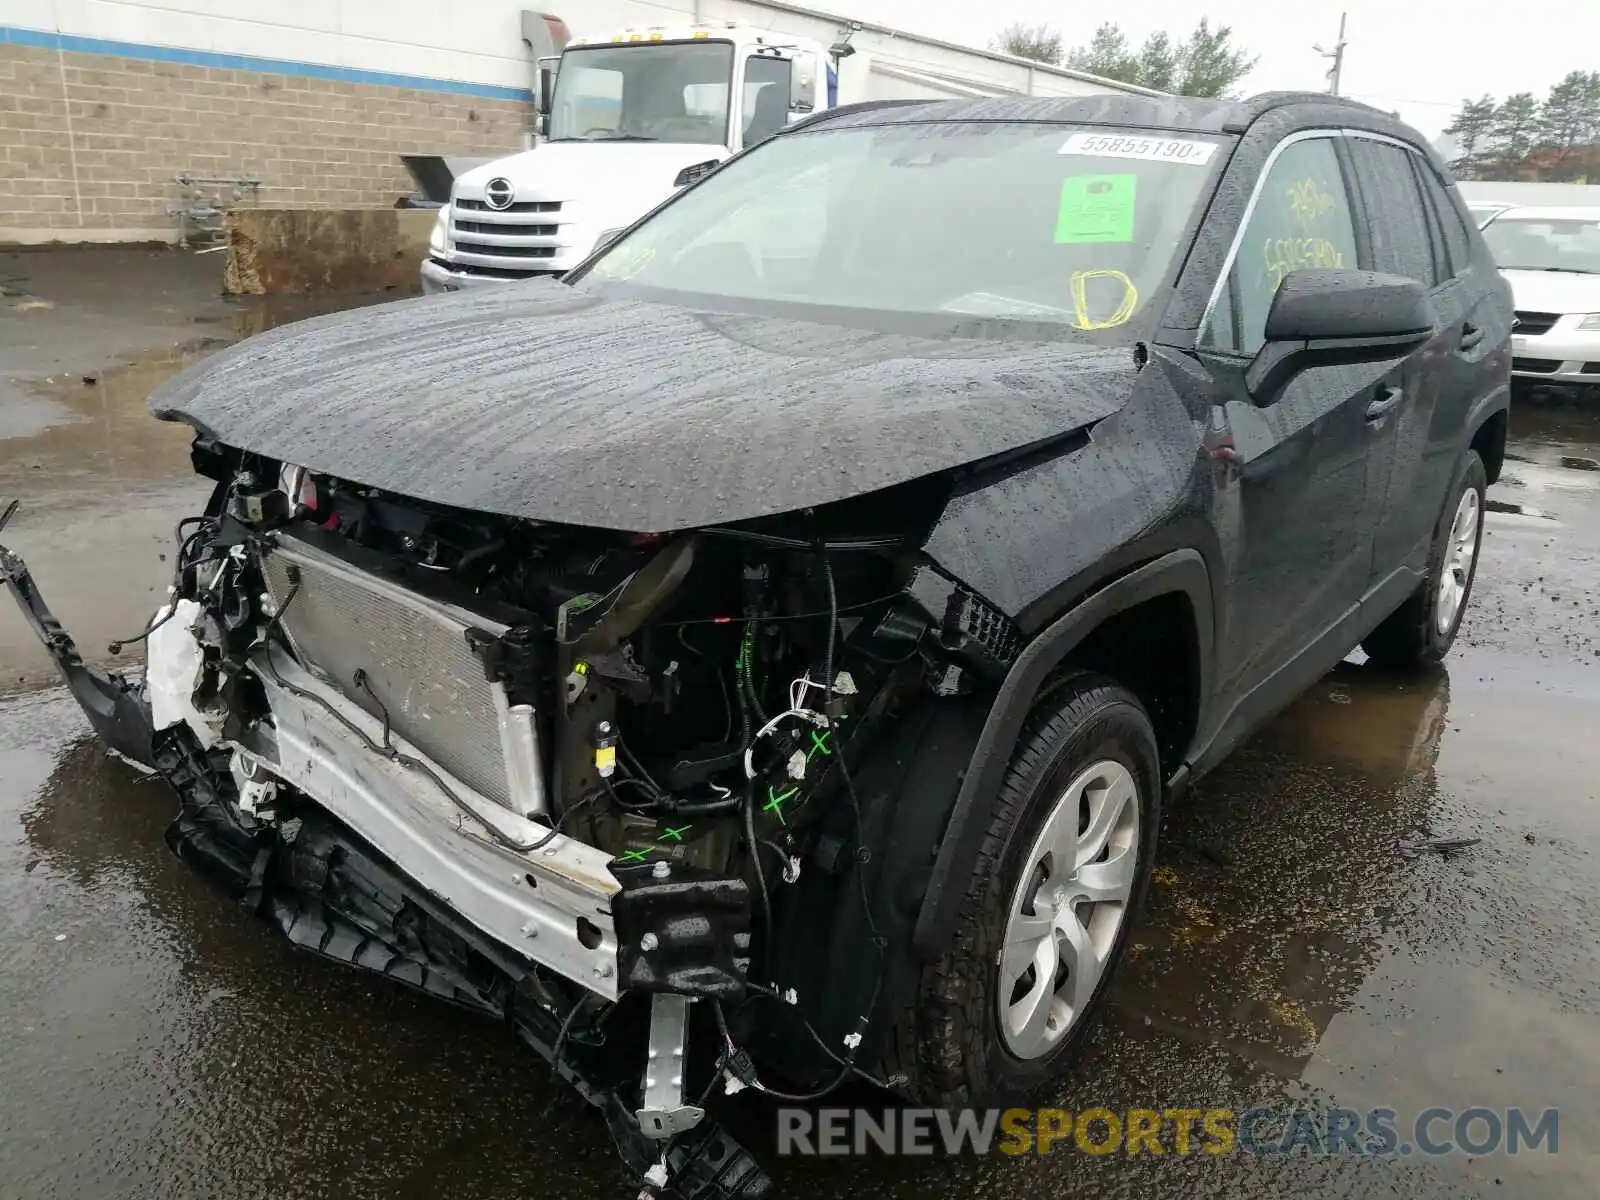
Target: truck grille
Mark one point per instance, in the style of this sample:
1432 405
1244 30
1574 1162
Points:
412 652
1536 366
508 243
527 206
1532 324
519 230
496 251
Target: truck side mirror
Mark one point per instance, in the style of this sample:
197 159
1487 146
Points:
547 91
803 84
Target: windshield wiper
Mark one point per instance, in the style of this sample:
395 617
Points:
1569 270
610 137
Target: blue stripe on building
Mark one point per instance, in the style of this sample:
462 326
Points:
244 62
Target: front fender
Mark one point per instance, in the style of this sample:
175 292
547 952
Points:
1181 570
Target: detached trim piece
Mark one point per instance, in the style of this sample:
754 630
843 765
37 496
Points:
116 708
1180 571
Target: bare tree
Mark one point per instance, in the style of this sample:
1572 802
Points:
1038 42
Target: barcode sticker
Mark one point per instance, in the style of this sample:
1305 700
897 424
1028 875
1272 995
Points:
1157 149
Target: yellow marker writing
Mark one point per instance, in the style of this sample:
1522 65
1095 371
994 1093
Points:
1080 300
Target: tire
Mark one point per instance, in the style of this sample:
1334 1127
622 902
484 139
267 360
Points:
949 1046
1418 635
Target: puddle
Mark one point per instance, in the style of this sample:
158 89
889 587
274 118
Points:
101 437
1579 464
91 433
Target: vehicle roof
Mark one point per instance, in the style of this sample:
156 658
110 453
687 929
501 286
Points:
1182 113
1549 212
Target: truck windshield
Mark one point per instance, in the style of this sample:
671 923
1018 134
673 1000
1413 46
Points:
645 92
1068 225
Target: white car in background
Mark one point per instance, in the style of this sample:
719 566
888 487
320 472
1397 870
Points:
1551 258
1484 211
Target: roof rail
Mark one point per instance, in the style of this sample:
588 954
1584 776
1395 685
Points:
1265 102
845 110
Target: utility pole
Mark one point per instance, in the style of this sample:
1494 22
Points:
1337 54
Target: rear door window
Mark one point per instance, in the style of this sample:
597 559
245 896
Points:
1402 241
1302 218
1457 239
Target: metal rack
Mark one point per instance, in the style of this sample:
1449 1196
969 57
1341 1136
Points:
201 202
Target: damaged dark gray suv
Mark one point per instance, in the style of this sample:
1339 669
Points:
759 659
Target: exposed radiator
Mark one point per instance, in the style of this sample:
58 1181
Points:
413 650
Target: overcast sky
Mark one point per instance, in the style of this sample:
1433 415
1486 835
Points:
1418 56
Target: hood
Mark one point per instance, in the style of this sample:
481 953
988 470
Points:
586 171
1554 291
583 406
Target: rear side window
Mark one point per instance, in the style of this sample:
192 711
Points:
1457 241
1301 219
1402 242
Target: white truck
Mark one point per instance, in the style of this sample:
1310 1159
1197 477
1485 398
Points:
626 120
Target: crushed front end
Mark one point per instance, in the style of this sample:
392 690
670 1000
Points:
638 795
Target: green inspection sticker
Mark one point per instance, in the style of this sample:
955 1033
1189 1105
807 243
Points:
1096 208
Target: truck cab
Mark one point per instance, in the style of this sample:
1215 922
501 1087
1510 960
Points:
624 122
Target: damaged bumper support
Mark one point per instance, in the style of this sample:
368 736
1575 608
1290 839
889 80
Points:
548 902
399 867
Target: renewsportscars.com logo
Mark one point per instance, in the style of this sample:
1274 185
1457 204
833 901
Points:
1184 1131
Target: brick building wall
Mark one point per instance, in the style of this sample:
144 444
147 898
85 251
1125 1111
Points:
90 143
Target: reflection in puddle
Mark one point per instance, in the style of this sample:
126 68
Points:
92 432
104 437
1280 875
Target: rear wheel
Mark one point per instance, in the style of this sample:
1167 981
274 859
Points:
1421 631
1048 907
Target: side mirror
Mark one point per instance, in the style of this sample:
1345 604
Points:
802 84
1330 316
547 91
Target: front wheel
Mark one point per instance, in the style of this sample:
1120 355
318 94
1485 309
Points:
1421 631
1048 907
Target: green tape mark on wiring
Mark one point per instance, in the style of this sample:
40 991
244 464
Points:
819 744
669 834
1096 208
636 855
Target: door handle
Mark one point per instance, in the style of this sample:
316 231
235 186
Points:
1387 398
1471 335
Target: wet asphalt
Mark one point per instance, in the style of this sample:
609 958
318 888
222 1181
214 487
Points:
156 1042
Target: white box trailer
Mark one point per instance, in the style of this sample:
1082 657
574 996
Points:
637 106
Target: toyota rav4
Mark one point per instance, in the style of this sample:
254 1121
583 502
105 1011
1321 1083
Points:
760 658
